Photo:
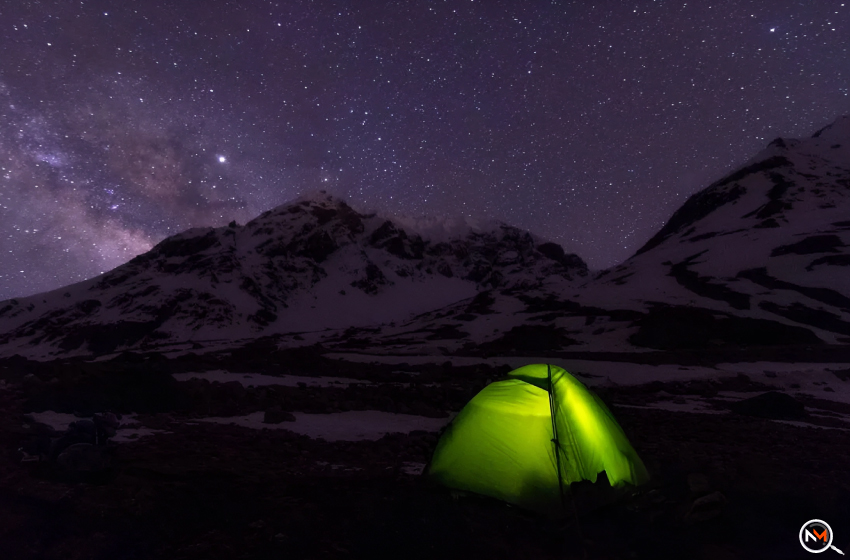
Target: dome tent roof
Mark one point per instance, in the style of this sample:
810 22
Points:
526 438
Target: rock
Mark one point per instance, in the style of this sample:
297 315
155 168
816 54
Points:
83 427
106 424
31 381
83 458
276 416
84 411
159 421
698 484
44 430
233 389
37 446
773 405
705 508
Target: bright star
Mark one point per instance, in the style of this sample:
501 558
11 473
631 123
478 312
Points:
772 29
221 159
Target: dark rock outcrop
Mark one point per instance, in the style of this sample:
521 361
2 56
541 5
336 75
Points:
773 405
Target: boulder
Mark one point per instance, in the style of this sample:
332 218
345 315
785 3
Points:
83 458
276 416
698 484
773 405
233 389
37 427
30 381
106 424
705 508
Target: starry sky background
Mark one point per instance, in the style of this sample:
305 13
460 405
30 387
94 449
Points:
585 122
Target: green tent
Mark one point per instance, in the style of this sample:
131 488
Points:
525 439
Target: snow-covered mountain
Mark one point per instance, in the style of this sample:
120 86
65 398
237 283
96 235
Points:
759 258
769 242
311 265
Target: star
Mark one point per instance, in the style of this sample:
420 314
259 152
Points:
538 117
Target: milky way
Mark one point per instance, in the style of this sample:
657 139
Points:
586 122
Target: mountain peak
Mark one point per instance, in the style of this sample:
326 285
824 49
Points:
317 196
789 173
311 264
837 131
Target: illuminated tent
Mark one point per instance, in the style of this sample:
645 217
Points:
524 440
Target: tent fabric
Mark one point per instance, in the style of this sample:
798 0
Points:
502 443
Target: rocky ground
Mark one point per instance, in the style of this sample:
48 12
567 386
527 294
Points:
724 485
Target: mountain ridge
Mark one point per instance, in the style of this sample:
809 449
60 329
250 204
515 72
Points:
759 257
310 264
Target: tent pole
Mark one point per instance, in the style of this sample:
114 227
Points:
555 436
558 460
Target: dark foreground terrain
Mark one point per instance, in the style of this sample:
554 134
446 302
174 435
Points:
724 485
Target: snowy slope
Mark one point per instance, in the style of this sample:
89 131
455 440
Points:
311 265
760 257
770 241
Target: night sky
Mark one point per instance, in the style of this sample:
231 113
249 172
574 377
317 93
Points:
586 122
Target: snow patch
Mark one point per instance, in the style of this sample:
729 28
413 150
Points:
691 405
809 379
342 426
260 380
61 421
124 435
808 425
414 469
